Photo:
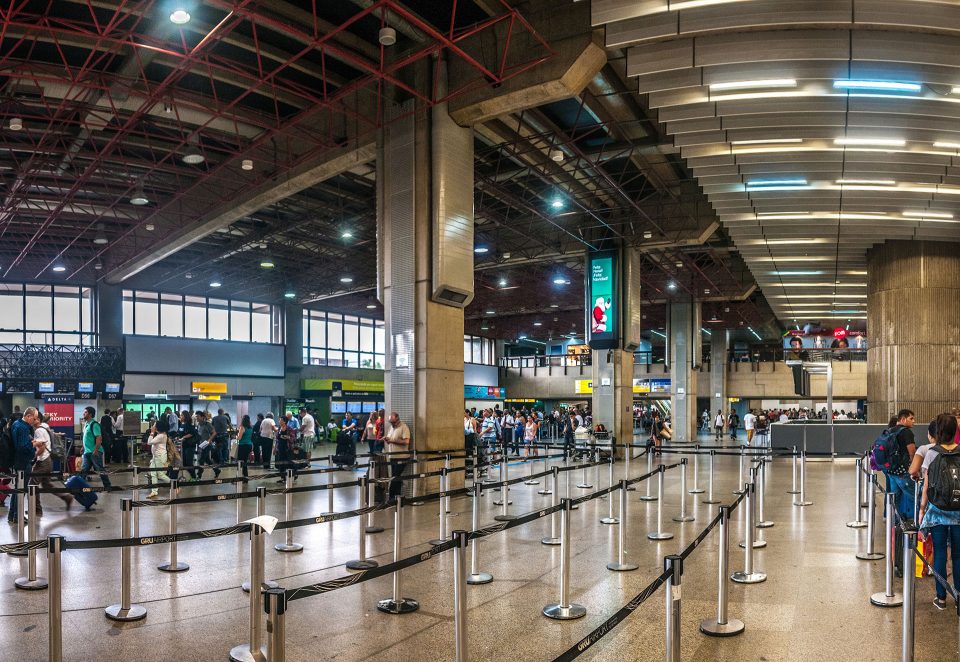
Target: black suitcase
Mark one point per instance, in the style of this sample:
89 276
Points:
78 485
346 455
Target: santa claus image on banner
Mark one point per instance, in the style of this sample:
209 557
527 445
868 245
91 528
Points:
600 308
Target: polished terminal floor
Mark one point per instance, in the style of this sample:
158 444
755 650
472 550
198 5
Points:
814 604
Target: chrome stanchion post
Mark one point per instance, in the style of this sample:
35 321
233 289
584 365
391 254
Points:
856 522
566 483
674 565
802 496
660 534
872 554
261 510
174 565
238 488
253 651
546 466
751 503
459 597
564 610
289 545
647 496
887 597
620 564
21 487
125 611
135 496
371 497
710 499
683 517
397 604
739 473
610 519
31 582
584 483
748 575
531 480
329 489
275 605
909 596
476 577
696 471
504 488
628 456
442 538
54 600
722 626
554 538
762 521
793 489
362 563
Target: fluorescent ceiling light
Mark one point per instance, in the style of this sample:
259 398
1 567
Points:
371 306
947 145
885 85
560 280
744 96
751 84
59 268
557 203
671 286
870 142
796 273
480 250
554 305
215 283
179 16
778 182
928 214
346 234
767 141
800 187
267 263
867 182
538 323
289 295
346 280
503 282
796 297
491 312
778 214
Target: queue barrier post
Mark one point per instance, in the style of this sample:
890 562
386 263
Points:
461 652
660 534
620 564
762 521
261 511
696 489
54 599
362 563
710 498
584 483
888 597
553 538
748 575
628 452
135 496
329 490
564 610
531 480
739 473
856 522
20 484
238 488
801 499
871 554
566 487
254 651
397 604
288 545
648 496
674 565
546 491
751 503
909 595
793 489
610 519
174 565
124 611
275 606
31 582
372 497
722 625
442 538
476 576
683 516
504 489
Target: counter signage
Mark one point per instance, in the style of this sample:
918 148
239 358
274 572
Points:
60 408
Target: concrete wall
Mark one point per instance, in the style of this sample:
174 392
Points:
544 383
185 356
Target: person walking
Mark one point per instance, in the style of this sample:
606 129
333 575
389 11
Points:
93 447
939 507
159 460
189 437
43 465
733 422
24 453
719 422
244 444
207 446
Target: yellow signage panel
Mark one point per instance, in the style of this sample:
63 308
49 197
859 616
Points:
583 386
208 387
208 397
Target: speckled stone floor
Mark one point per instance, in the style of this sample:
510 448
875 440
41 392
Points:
814 604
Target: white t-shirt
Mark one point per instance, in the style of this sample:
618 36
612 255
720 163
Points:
308 426
928 457
42 433
718 421
749 421
268 428
158 446
784 418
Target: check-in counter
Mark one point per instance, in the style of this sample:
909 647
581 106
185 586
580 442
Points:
820 438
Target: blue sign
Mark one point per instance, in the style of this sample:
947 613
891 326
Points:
484 392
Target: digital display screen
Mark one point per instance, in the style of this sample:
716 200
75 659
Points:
112 387
45 387
85 387
338 407
603 305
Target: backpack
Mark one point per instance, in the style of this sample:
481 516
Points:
7 452
943 479
886 454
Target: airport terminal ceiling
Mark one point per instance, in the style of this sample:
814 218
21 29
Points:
235 145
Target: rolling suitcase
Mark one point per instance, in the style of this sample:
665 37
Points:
78 486
346 455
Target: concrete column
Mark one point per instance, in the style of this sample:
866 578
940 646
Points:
293 349
613 392
914 328
684 338
110 315
719 345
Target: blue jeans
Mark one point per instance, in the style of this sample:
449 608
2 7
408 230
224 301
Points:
941 536
12 512
96 461
902 486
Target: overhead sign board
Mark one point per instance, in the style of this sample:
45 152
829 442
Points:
208 387
204 396
358 385
484 392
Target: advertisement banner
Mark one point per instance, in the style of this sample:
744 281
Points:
484 392
603 304
60 408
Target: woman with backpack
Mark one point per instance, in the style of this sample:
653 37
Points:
940 503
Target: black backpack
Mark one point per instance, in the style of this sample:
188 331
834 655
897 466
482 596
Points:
943 479
7 451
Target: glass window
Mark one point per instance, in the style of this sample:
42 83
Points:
351 333
334 332
11 303
39 311
195 317
86 309
171 315
318 333
146 314
260 322
218 320
366 336
11 337
335 358
240 321
127 312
